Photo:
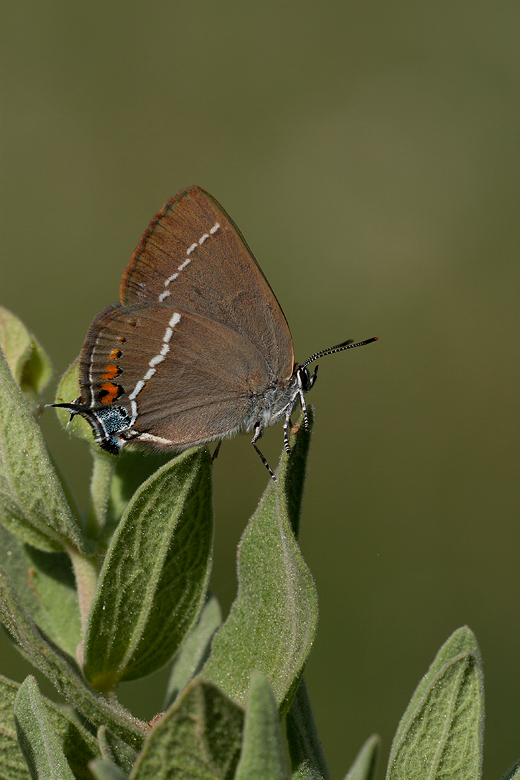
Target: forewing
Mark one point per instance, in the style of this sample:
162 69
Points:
193 256
186 379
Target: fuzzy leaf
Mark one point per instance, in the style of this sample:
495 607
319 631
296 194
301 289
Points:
441 732
132 468
263 749
32 502
461 641
26 358
67 392
154 577
307 759
273 619
115 749
364 767
62 670
513 773
45 584
197 738
12 763
194 651
78 745
103 769
36 737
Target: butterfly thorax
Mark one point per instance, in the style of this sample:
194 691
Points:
275 403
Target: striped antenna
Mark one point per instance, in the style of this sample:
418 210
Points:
338 348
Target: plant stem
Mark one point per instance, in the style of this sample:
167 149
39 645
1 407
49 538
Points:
102 471
86 574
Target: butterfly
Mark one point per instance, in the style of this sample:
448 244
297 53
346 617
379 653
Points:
198 347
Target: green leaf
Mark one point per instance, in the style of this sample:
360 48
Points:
114 481
68 391
513 773
45 583
272 622
26 358
132 468
263 749
36 737
32 502
106 770
154 577
461 641
77 744
62 670
194 651
115 749
12 763
197 738
364 767
441 731
292 470
307 759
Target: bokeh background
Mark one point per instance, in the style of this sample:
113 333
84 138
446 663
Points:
369 152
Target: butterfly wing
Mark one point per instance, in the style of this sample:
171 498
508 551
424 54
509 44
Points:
183 379
192 255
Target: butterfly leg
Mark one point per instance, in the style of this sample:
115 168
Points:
304 408
258 434
286 426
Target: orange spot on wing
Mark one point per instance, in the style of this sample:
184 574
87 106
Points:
115 354
110 372
111 392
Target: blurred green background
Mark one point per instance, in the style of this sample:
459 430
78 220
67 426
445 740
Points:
369 152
